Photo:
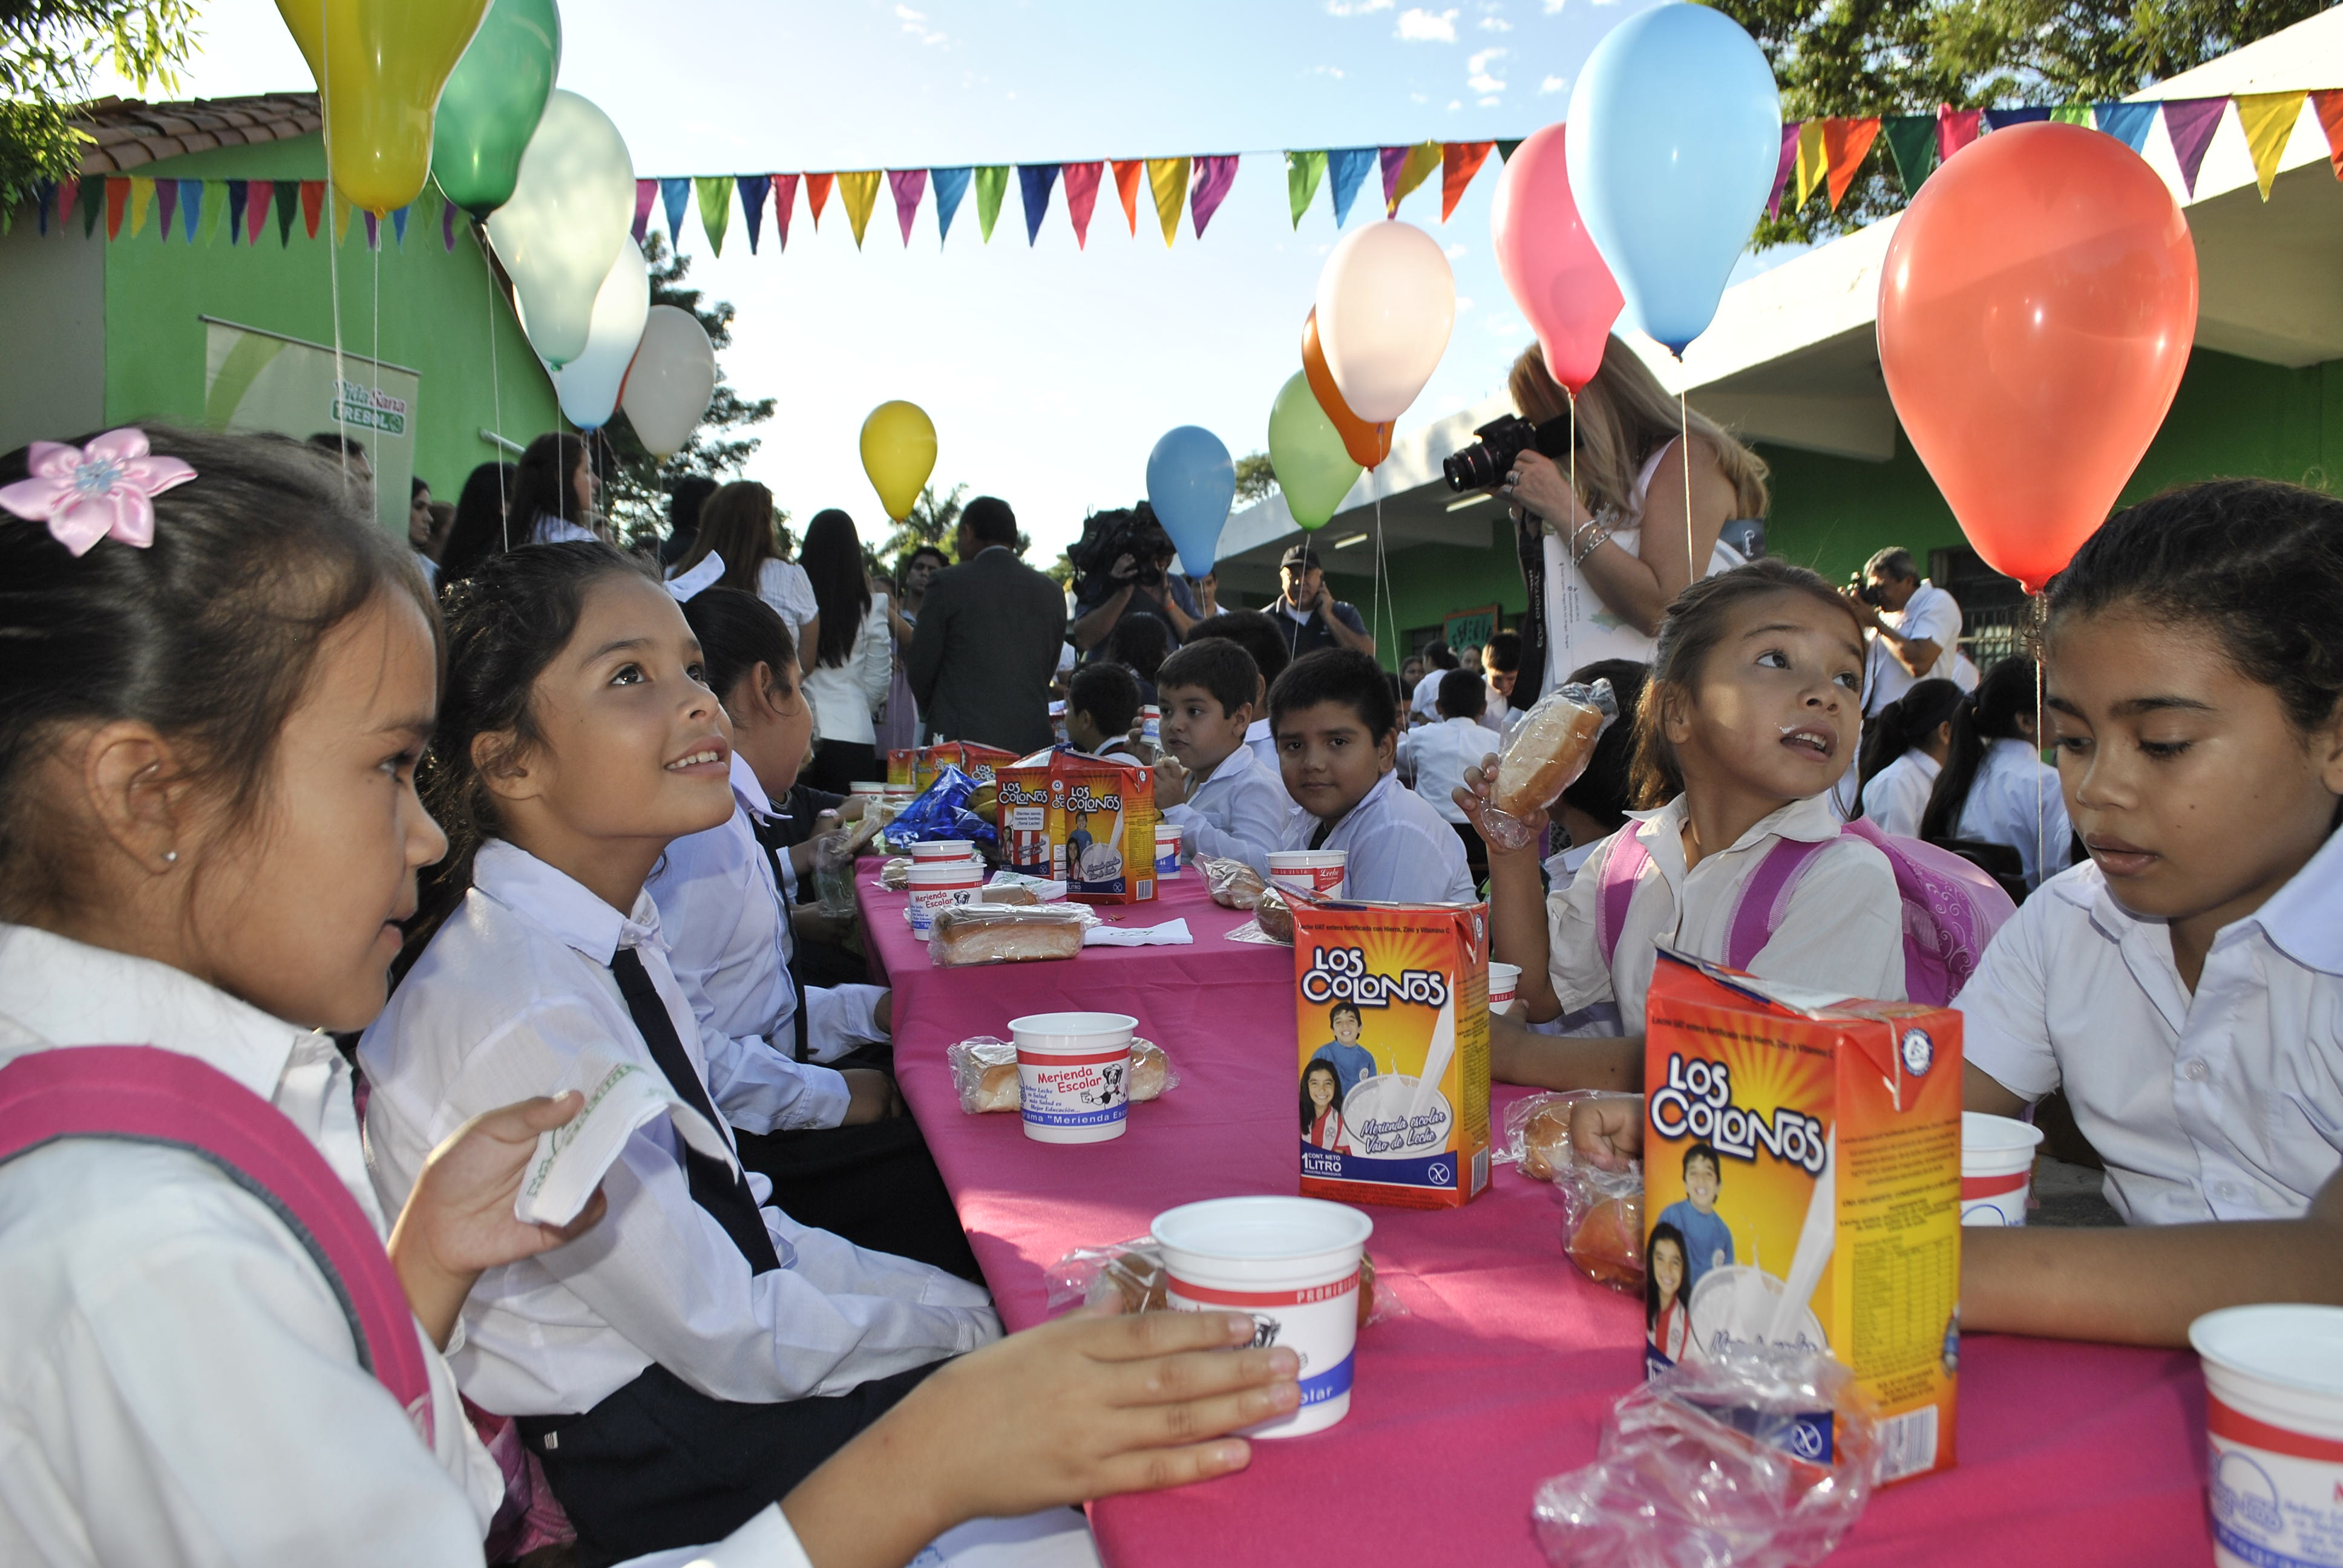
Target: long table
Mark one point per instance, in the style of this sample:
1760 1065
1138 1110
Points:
1499 1373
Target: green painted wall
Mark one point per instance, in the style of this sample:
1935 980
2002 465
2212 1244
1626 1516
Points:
418 306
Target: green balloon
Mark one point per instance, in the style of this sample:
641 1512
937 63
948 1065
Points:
493 102
1306 451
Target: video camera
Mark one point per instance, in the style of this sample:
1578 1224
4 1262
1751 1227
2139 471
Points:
1107 538
1481 464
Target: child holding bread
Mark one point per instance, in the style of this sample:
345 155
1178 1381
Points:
1224 801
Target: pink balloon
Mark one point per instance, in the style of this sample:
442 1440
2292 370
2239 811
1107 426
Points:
1550 263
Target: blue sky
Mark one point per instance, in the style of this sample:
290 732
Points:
1050 371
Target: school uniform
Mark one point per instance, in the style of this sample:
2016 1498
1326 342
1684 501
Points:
1263 745
1396 848
1238 811
1442 752
1931 615
2015 800
1897 796
2226 1104
1841 930
698 1352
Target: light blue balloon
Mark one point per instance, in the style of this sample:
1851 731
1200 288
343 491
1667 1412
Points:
1676 130
1191 483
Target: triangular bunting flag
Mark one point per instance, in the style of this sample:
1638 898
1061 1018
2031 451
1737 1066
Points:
288 197
2268 121
1814 160
951 184
373 231
1081 198
1782 166
1034 183
1912 143
191 208
67 190
1845 144
1505 149
2002 119
447 227
754 189
1348 167
1128 173
817 190
166 208
2071 114
646 193
1392 161
1215 172
398 224
785 199
1303 173
313 204
240 191
1167 178
992 184
860 191
2190 123
45 201
675 196
715 193
117 202
1956 128
93 204
2127 123
2329 105
142 197
907 186
1459 162
1415 168
212 204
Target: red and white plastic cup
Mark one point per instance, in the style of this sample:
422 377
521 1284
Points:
941 851
1073 1074
933 883
874 788
1505 985
1996 1168
1293 1264
1151 724
1168 837
2273 1423
1312 873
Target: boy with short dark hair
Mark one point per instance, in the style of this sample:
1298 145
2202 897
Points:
1439 754
1224 801
1336 740
1501 670
1708 1241
1352 1063
1101 704
1257 634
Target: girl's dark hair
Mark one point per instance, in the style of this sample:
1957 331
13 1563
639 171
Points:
2257 563
1602 792
1139 642
478 531
1989 713
737 632
736 523
832 557
1901 725
542 486
506 623
1310 1110
1663 1231
1696 623
210 634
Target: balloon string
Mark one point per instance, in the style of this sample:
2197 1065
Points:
2036 613
1693 572
333 247
1568 565
495 382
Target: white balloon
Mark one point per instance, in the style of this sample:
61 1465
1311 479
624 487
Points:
588 384
673 377
560 231
1386 301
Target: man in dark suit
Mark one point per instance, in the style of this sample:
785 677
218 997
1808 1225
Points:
987 645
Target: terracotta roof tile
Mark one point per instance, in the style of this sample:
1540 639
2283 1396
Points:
128 134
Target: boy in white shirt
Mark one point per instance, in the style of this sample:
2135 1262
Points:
1440 752
1101 705
1223 800
1501 667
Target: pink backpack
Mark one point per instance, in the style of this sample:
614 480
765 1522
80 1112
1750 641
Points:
1951 908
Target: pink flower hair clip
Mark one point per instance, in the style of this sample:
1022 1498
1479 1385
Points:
87 493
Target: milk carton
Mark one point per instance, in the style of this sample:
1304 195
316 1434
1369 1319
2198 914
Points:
1391 1001
981 763
1022 813
903 766
1102 828
1802 1181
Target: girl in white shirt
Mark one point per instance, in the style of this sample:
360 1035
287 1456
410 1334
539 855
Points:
554 492
1904 750
1994 787
849 663
1752 708
736 525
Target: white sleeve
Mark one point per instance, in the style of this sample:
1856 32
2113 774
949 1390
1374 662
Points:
839 1019
874 653
1409 860
760 1090
1939 623
765 1542
2006 1007
1246 826
1844 929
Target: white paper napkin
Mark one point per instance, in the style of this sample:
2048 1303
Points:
571 1160
1170 934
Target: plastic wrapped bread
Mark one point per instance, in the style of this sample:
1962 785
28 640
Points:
965 934
1233 884
1546 753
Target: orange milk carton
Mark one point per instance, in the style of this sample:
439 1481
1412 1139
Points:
1022 813
1102 828
981 763
903 766
1393 1005
1802 1182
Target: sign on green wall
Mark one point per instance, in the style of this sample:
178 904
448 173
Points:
1466 629
256 380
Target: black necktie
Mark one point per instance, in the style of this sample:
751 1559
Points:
716 1186
773 834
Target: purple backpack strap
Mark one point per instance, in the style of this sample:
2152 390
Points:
1766 898
1623 868
146 1095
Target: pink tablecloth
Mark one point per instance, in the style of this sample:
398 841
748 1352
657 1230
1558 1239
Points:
1501 1373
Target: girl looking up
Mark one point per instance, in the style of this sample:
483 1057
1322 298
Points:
1752 713
1994 786
1904 750
852 661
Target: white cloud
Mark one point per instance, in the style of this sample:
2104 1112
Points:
1464 303
1454 251
1480 81
1488 103
1454 104
1483 83
1496 25
1418 25
1553 84
1480 61
1356 8
1334 71
915 23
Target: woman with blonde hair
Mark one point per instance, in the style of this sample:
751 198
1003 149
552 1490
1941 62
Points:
735 524
1600 580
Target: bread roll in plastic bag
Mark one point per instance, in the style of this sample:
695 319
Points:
1546 753
1601 1210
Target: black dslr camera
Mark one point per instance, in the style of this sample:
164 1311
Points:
1107 538
1481 464
1866 591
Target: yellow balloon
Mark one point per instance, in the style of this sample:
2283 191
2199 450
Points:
899 453
380 65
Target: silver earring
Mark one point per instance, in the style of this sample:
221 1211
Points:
170 856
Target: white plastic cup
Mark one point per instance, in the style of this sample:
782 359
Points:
1151 724
1074 1073
1293 1264
940 851
2274 1420
1314 873
1167 849
933 883
874 787
1996 1168
1504 984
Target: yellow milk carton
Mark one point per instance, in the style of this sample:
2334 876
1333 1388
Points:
1021 816
1802 1180
1393 1004
1102 828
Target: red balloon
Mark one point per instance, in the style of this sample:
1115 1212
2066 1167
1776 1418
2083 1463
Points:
1368 444
2035 312
1549 261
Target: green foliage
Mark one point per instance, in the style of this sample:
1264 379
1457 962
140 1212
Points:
933 521
51 51
1255 477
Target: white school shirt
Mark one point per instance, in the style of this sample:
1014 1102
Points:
513 987
1425 700
2015 800
1932 616
1238 811
1396 848
785 588
178 1383
1263 745
1440 753
1897 796
2223 1105
844 695
1843 930
552 530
